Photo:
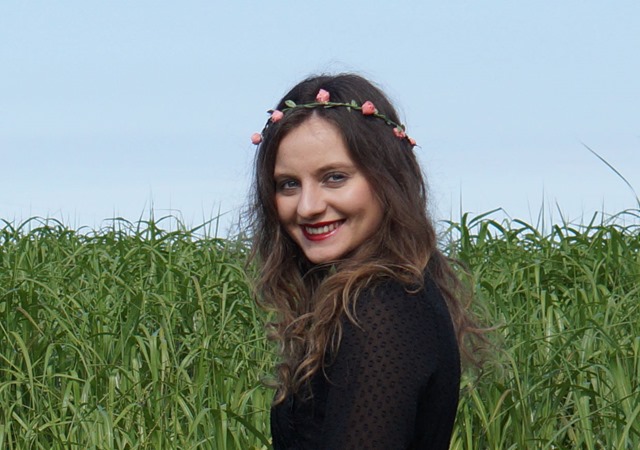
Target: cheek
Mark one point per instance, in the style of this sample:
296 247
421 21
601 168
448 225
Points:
372 212
378 213
375 214
367 203
283 209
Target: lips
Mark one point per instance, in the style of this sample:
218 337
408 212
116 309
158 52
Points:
320 231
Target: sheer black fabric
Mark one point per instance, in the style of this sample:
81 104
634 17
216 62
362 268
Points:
393 384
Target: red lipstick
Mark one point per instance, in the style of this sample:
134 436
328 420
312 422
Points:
321 230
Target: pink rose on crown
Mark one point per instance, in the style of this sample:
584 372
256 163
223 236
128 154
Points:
399 132
368 108
256 138
276 115
412 141
323 96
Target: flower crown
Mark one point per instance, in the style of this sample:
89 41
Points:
322 101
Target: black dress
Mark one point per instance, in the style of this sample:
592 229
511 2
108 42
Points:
393 384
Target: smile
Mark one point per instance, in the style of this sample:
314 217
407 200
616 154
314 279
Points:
321 230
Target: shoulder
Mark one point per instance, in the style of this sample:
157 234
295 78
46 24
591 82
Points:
398 328
403 318
392 298
399 317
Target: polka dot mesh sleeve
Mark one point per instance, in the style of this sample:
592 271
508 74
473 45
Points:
393 384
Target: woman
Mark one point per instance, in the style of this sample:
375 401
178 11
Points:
369 313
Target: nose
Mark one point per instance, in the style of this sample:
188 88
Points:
311 202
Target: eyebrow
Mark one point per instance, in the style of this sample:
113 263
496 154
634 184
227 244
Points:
320 170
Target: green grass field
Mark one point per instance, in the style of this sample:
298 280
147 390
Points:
144 336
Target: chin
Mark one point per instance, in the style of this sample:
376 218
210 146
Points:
315 258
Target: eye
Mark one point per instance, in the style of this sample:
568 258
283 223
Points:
335 178
286 185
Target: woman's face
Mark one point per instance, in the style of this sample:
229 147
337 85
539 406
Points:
324 202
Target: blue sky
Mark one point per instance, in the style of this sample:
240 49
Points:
109 108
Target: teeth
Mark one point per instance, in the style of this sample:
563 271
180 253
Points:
321 230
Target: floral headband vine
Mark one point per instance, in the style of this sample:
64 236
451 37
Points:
323 101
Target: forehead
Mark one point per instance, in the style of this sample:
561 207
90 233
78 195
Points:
313 144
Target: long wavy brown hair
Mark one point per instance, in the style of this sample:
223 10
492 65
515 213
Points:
310 300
